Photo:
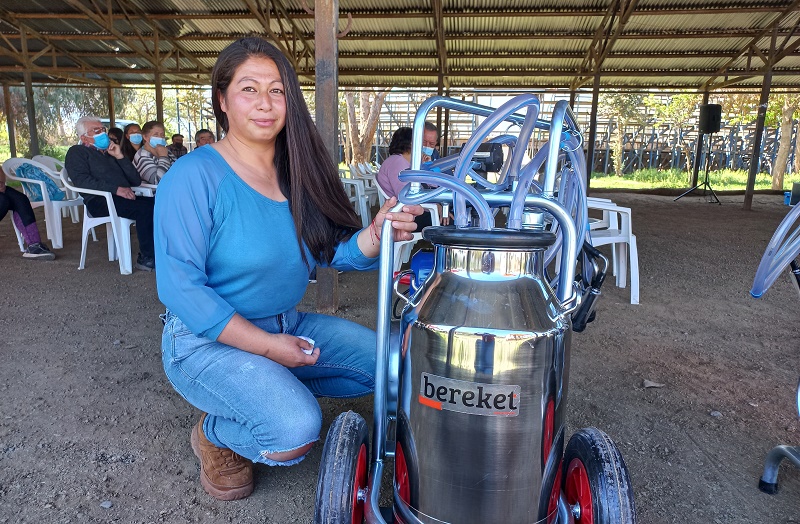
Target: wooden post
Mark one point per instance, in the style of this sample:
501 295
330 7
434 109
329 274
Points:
326 96
698 150
112 121
31 110
592 129
12 138
159 99
755 157
446 130
29 105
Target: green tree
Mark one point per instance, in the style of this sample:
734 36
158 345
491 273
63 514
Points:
782 110
622 109
361 123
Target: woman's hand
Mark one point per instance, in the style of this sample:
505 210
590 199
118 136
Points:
161 151
284 349
402 222
287 350
403 227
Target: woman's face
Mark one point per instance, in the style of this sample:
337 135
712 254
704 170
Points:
155 131
132 130
255 102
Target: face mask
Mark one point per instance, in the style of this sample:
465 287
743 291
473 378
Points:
156 141
135 138
101 141
427 151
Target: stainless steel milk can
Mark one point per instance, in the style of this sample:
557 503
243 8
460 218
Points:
485 359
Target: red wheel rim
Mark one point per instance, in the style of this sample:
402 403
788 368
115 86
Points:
577 490
552 504
360 482
549 423
401 475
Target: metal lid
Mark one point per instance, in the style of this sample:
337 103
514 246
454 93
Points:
494 238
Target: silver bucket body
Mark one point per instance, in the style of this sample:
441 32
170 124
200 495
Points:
485 356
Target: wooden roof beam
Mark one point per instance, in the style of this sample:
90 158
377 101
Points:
753 44
164 35
441 46
263 17
10 20
451 13
108 25
607 33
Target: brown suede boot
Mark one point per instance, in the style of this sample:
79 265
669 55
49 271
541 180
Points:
223 474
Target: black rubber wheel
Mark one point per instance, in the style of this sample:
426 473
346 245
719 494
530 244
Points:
596 480
343 471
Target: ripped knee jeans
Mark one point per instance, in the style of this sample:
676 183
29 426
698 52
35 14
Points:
255 406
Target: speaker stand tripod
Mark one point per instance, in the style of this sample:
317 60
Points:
708 191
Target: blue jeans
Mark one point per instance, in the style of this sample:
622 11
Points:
256 406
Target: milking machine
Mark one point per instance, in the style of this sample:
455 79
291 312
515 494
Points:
782 252
472 380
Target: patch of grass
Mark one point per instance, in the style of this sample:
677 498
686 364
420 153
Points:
724 180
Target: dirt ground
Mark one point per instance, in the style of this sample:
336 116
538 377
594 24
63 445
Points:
88 420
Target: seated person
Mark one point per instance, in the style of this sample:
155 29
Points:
203 137
23 217
153 159
176 147
430 142
116 135
97 163
399 160
132 141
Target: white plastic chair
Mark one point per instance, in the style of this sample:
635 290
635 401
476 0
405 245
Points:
355 192
145 189
52 208
402 249
20 240
360 173
55 165
118 229
620 235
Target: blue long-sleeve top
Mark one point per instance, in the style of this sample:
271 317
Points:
223 248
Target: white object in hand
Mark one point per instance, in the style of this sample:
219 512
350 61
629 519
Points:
310 341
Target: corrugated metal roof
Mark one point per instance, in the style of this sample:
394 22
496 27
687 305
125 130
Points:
487 43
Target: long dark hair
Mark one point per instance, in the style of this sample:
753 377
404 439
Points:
127 148
308 178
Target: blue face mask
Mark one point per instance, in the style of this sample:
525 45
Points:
135 138
427 151
156 141
101 141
